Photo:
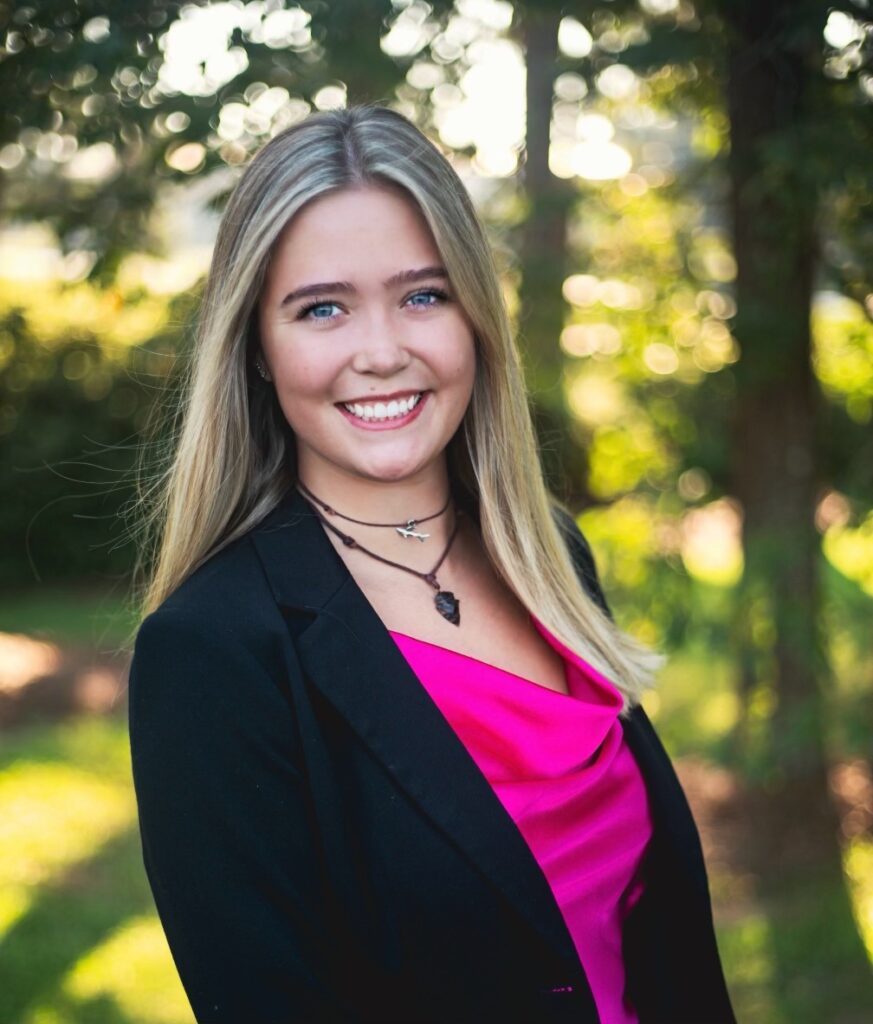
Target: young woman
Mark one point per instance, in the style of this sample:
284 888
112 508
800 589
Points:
387 744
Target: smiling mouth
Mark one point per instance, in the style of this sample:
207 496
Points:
383 412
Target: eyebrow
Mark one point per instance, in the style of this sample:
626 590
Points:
403 277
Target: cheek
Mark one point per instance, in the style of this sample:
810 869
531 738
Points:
303 386
457 354
465 363
303 375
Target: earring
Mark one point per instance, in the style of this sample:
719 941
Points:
262 370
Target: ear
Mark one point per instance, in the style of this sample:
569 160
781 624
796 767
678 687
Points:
261 367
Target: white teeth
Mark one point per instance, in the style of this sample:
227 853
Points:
383 410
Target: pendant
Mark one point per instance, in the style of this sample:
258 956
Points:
410 531
448 606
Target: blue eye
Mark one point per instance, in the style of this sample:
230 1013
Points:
311 308
435 293
318 304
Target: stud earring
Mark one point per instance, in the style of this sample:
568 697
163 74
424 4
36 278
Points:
262 370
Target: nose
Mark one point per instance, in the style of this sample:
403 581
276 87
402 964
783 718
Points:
381 349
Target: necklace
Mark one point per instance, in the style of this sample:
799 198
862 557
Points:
405 530
445 601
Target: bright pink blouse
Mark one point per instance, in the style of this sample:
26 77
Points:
561 768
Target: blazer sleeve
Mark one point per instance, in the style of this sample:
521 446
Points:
228 844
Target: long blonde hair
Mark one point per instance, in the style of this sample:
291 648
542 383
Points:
233 456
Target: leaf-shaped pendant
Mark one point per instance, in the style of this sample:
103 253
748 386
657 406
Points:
448 606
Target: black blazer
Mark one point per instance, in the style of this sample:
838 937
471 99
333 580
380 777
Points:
321 846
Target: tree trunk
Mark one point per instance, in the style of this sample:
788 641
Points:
774 477
543 259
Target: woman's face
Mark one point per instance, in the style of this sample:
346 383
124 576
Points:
372 358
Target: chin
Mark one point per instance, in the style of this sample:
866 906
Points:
393 474
390 471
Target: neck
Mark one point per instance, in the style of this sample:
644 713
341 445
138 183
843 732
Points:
381 501
385 502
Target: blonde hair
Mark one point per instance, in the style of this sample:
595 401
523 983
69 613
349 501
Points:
234 457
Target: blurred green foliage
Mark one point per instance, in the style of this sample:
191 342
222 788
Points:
81 369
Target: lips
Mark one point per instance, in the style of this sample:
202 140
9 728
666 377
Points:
377 416
380 411
372 399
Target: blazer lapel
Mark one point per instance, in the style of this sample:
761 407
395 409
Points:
348 653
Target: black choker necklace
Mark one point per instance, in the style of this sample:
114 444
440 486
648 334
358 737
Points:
406 530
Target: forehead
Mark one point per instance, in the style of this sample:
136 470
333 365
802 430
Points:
373 220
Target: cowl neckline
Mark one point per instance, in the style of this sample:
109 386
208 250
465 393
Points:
521 729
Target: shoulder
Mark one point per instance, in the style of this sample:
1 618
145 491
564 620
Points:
220 628
228 587
581 554
211 673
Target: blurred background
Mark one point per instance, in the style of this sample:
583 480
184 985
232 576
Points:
680 193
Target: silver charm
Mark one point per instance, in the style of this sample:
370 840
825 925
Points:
410 531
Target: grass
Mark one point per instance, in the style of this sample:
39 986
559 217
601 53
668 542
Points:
79 939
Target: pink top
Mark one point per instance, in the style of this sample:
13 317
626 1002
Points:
560 767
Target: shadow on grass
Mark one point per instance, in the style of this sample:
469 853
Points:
68 918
